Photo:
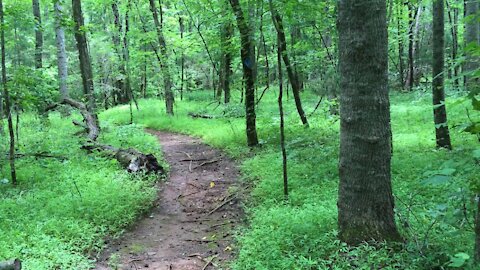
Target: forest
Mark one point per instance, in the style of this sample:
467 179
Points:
239 134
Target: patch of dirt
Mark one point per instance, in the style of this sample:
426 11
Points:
190 228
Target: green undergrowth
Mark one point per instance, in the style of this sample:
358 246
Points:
431 186
66 205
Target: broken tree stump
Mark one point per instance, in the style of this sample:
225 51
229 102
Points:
14 264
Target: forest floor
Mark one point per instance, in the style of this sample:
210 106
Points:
190 226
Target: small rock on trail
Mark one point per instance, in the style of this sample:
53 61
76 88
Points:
190 228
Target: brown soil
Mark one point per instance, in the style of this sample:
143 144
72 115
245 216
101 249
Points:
191 225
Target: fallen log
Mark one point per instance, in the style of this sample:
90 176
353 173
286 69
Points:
198 115
14 264
130 159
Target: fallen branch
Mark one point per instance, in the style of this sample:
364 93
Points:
207 162
40 155
14 264
90 119
197 115
209 261
232 197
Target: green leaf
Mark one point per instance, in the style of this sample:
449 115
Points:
459 260
436 180
476 153
476 104
447 171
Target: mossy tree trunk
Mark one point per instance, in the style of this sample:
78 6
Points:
365 202
248 64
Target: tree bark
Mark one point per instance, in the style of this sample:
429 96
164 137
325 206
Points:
182 59
471 37
248 64
401 58
167 78
292 75
226 65
439 109
365 202
84 57
38 33
453 19
120 84
282 120
61 51
6 96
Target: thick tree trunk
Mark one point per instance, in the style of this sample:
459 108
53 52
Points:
61 51
439 110
38 33
248 64
84 57
6 96
292 75
365 202
167 78
471 37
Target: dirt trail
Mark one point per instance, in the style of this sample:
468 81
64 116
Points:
190 227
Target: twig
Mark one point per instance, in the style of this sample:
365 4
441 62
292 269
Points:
222 204
209 261
207 162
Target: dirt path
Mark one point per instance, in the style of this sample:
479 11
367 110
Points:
190 227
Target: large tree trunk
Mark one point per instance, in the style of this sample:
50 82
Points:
6 96
292 75
248 64
61 51
440 112
471 37
365 201
38 33
84 57
167 78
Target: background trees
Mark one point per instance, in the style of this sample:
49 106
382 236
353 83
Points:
218 57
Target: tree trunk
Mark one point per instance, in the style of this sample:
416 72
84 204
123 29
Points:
84 57
226 67
248 64
453 19
440 112
182 60
61 51
471 37
292 75
38 33
401 75
6 96
282 121
365 202
120 83
167 78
